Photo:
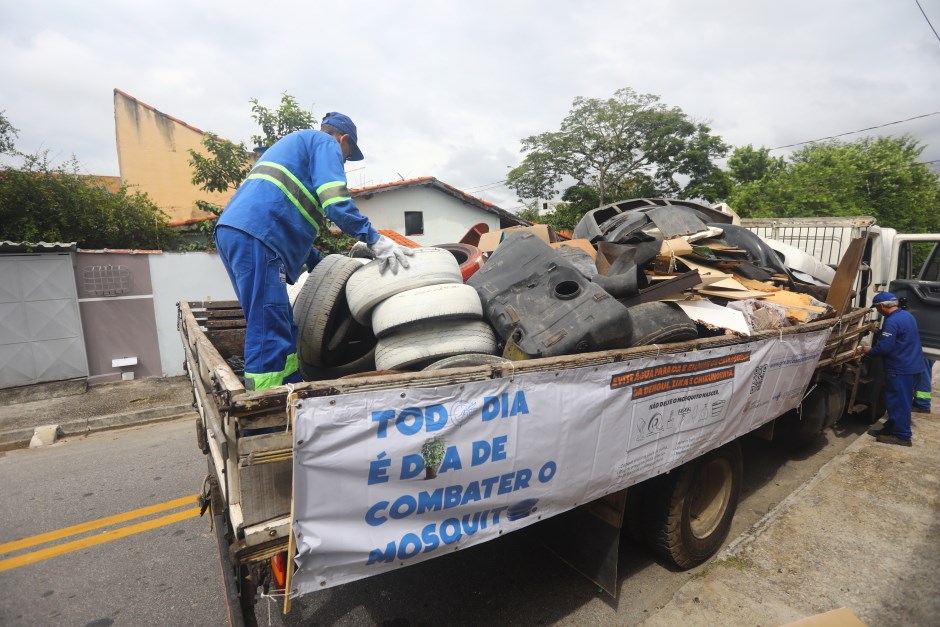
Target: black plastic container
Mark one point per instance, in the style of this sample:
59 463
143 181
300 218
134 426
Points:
534 296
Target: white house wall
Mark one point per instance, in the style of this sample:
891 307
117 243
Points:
446 219
177 277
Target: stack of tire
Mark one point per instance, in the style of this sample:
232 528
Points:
331 344
422 314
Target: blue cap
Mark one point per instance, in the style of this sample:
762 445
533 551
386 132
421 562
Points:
884 298
346 127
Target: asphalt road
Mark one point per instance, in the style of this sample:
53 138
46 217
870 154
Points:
161 568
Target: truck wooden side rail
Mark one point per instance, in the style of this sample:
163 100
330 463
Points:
249 448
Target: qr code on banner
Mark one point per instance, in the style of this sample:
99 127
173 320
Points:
758 379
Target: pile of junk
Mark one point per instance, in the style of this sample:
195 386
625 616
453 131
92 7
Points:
634 273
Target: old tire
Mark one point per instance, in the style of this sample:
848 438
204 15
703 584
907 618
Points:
467 360
469 258
293 291
368 287
366 363
689 510
445 301
430 342
328 336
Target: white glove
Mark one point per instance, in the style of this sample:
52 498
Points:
390 254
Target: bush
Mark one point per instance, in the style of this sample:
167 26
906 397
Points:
41 202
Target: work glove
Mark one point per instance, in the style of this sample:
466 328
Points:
390 254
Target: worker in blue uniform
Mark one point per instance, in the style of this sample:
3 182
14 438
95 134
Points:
266 234
898 342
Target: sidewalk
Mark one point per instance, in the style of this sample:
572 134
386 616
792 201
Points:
864 534
108 406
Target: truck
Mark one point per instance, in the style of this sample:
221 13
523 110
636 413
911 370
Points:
321 483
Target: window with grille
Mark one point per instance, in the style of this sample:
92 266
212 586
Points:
106 280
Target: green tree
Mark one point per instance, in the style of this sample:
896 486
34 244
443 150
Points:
880 177
747 164
616 146
45 202
8 135
228 164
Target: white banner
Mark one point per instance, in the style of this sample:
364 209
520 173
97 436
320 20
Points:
506 453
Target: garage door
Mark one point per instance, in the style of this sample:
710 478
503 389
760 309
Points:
40 330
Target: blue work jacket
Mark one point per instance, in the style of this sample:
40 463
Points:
295 184
899 342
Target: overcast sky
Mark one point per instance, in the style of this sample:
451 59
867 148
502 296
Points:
448 89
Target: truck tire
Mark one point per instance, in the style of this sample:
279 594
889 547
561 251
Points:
368 287
430 342
445 301
328 336
689 510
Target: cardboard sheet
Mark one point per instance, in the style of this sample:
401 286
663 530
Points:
709 313
583 244
489 241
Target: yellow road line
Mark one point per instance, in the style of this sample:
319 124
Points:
65 532
105 536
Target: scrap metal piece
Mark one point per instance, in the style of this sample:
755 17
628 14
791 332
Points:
840 292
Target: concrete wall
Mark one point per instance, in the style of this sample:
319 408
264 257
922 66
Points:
446 219
153 154
177 277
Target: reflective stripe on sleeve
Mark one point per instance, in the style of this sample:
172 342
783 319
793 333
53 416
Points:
332 192
295 191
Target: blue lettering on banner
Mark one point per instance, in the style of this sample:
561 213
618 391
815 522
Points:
432 535
455 495
411 420
501 407
378 470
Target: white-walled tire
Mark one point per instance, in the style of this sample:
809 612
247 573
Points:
293 291
367 287
431 341
443 301
467 360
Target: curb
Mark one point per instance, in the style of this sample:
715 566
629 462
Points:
761 525
19 438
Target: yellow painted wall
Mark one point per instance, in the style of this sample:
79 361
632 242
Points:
153 154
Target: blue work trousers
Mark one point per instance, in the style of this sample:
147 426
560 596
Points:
258 276
922 384
899 394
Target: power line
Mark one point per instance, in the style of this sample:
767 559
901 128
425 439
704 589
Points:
928 20
485 186
870 128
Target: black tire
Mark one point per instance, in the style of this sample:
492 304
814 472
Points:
366 363
689 510
328 336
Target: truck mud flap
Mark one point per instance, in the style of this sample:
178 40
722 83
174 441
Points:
536 297
587 538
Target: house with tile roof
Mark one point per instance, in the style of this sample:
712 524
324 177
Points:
428 211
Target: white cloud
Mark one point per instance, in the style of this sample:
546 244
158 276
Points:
449 89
